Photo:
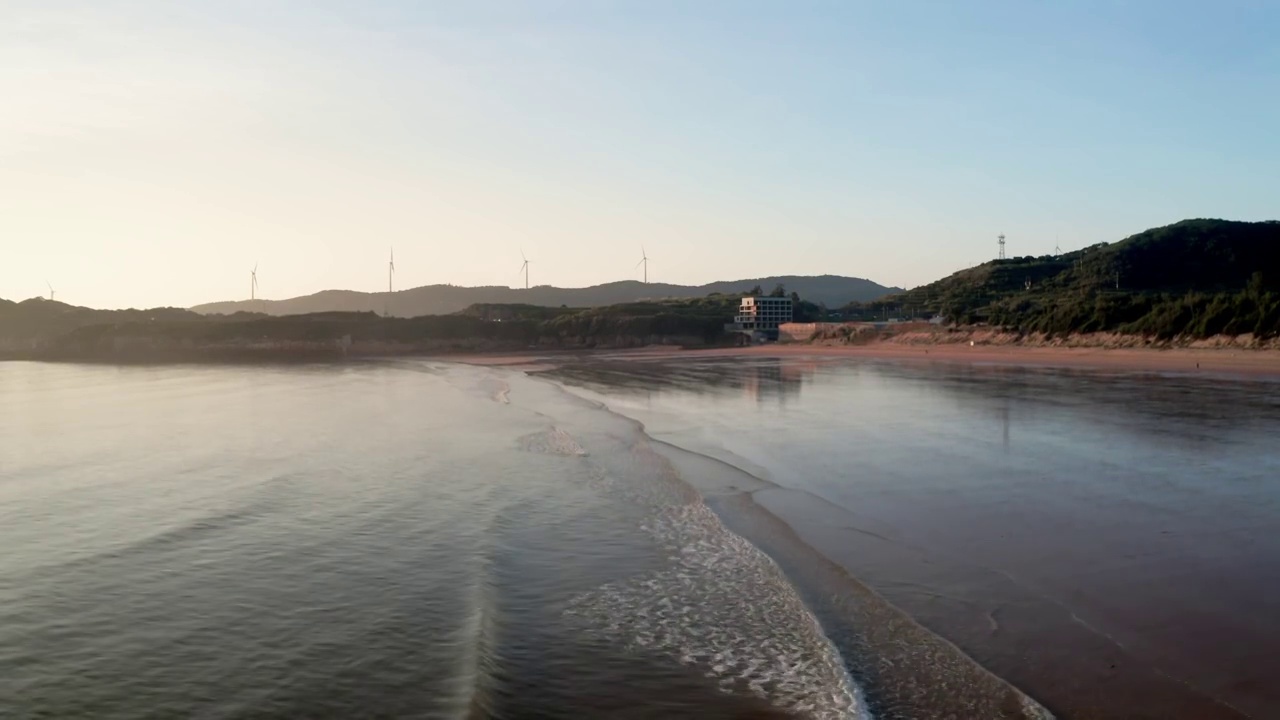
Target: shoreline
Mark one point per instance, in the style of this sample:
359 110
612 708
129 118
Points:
1029 639
1258 364
899 667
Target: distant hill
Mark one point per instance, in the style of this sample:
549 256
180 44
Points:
40 318
831 290
1194 278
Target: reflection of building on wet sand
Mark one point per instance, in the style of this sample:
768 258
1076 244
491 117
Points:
759 380
1004 421
775 379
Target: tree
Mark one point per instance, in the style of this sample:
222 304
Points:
1256 285
795 297
756 291
778 291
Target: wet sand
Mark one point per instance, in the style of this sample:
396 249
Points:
1252 363
1186 651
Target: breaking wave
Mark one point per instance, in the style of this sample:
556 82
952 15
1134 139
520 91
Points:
724 608
552 442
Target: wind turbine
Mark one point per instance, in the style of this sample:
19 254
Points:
525 269
253 283
51 290
644 260
391 273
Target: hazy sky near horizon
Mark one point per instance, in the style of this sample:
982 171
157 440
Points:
151 152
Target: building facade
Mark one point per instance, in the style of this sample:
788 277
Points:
763 313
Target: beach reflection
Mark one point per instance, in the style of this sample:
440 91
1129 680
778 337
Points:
1164 408
768 380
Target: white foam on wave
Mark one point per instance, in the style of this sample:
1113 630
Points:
724 607
496 388
552 442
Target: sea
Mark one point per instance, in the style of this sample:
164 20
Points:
614 537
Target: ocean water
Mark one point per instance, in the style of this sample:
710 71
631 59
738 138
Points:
624 539
396 540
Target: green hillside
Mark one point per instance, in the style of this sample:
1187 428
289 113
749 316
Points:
1195 278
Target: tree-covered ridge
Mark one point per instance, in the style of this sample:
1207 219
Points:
1194 278
46 329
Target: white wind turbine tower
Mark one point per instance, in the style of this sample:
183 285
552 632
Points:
525 269
391 274
644 260
52 292
253 283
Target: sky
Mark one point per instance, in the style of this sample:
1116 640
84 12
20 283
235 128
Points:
152 152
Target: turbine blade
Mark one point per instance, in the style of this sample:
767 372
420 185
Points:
640 263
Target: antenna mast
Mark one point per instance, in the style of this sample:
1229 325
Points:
1000 239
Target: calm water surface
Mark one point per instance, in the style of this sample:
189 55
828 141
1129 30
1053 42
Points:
412 540
420 539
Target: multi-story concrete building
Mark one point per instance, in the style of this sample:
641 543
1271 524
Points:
763 313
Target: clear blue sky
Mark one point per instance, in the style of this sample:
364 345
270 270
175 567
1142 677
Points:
151 152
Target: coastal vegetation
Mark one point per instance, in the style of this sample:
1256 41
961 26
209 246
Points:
46 329
1193 279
